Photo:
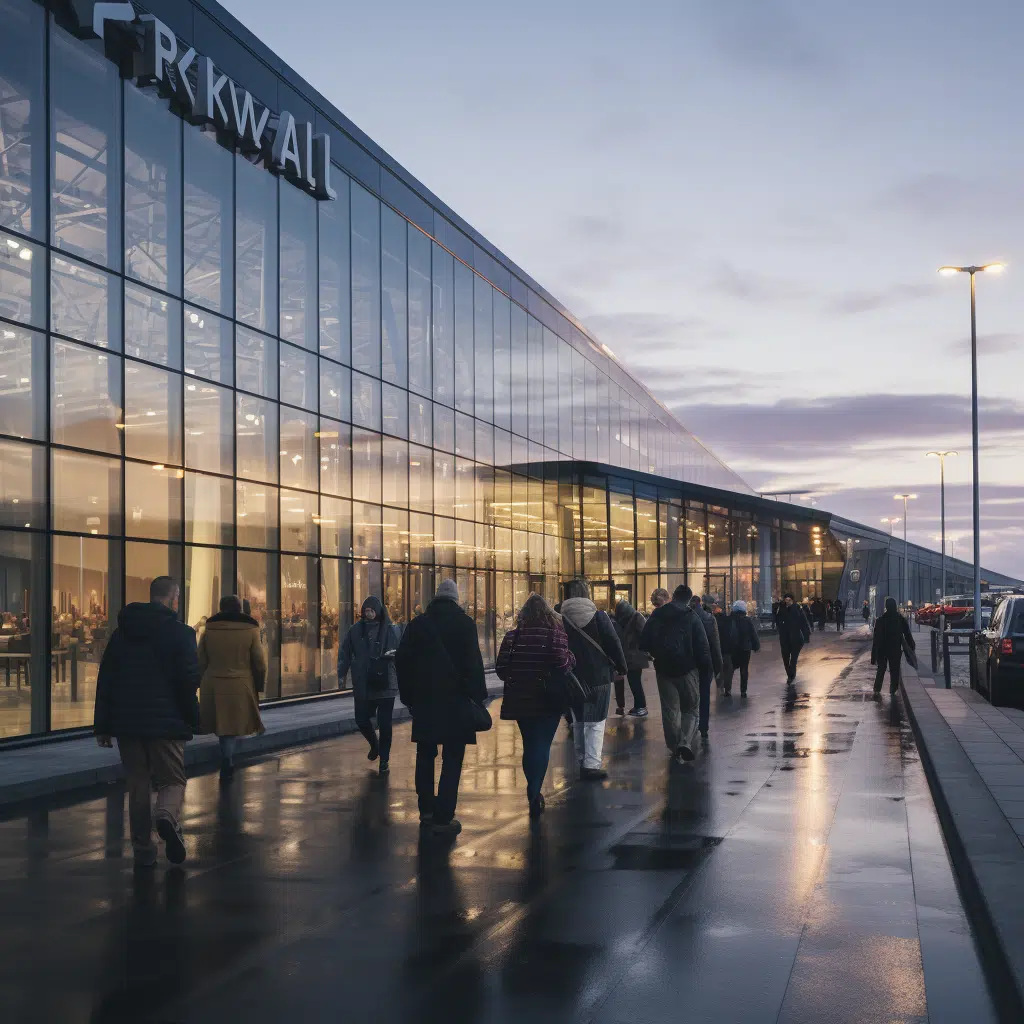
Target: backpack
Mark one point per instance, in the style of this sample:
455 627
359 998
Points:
675 648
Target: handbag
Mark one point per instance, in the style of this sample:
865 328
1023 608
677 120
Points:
908 652
475 716
470 713
563 689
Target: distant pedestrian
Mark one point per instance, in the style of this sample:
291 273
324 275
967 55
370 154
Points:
536 647
599 655
234 670
819 613
840 612
677 639
891 638
726 641
659 597
369 651
629 624
439 670
146 700
866 612
745 641
707 620
794 631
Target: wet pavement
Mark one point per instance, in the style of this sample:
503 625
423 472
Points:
795 872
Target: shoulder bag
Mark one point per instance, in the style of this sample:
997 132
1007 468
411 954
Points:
470 713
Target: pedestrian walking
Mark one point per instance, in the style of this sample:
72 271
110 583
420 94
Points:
676 638
839 608
745 641
892 639
629 624
146 700
794 631
440 673
660 596
369 651
707 620
598 653
726 640
234 673
536 647
866 613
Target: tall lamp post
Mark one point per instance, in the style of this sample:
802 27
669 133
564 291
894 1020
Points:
892 521
905 595
949 272
941 456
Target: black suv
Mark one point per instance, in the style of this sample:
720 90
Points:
1002 654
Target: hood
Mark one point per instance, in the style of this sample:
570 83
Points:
231 618
141 619
624 611
380 612
890 606
578 610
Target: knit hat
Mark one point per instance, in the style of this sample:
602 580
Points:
739 606
448 590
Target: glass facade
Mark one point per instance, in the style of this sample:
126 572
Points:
210 374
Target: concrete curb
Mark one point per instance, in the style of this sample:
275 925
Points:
986 852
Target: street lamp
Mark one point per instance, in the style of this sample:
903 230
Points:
941 456
989 268
906 551
892 521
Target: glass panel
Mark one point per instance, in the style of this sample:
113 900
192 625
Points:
299 276
209 440
209 509
464 435
256 362
256 513
152 413
143 563
259 583
22 383
502 361
366 465
647 534
551 399
366 530
444 428
421 479
300 515
22 265
579 408
300 589
396 473
335 390
208 577
85 603
394 411
464 375
395 524
86 398
22 485
419 311
565 399
208 346
394 593
484 442
420 423
335 523
365 281
86 493
335 458
444 541
465 545
535 373
255 246
444 481
335 607
22 119
85 304
298 449
421 538
85 160
152 501
22 575
256 438
335 274
152 326
365 401
483 327
394 303
152 190
300 377
519 395
444 327
465 488
209 222
595 532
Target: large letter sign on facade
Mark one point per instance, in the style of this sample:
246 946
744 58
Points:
205 95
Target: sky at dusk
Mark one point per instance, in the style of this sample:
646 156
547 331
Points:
747 200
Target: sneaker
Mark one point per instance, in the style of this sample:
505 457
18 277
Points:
620 712
704 735
385 768
593 774
170 832
639 712
450 828
743 694
684 753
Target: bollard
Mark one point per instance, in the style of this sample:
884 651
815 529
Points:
935 652
945 661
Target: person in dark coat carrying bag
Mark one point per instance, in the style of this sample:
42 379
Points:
369 650
629 624
441 681
892 639
794 631
744 641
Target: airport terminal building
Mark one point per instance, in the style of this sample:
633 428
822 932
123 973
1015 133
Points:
241 346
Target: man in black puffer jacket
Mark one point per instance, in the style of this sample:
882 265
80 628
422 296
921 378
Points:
146 700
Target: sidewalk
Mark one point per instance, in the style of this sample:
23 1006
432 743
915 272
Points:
47 769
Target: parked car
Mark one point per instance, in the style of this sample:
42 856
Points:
1001 655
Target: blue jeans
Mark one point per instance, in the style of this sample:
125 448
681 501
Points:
537 736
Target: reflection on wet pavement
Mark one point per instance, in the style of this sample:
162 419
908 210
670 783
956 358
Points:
794 872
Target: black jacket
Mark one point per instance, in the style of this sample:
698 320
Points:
629 624
726 634
439 667
793 625
744 633
148 677
891 630
674 616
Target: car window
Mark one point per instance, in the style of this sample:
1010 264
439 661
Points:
1017 625
997 619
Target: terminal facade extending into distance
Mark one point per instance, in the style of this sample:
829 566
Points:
241 346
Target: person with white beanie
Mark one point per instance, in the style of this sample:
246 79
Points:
745 641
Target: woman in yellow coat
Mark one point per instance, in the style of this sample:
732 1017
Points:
234 671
